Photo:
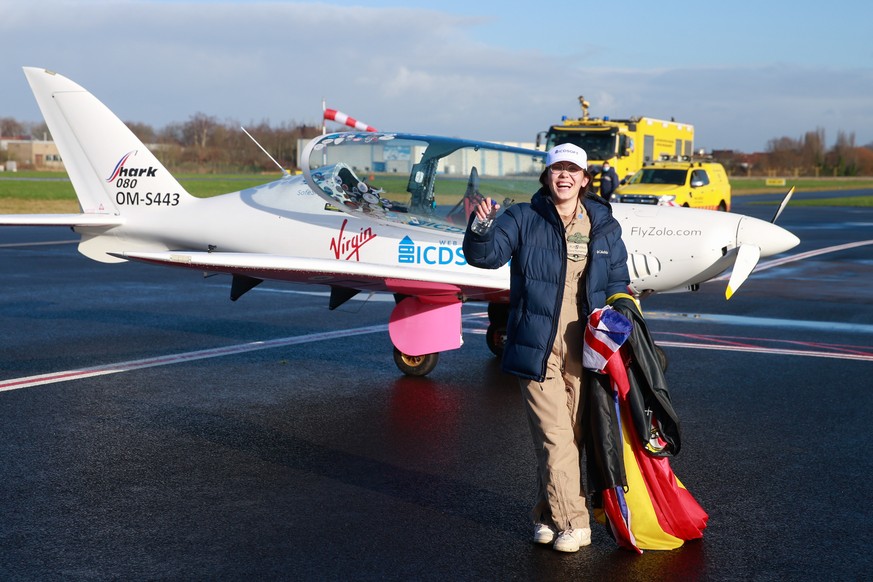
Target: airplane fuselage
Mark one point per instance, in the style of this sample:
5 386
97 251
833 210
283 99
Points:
669 249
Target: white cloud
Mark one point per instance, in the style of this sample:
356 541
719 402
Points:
401 69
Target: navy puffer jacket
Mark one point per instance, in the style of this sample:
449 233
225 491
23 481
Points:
532 235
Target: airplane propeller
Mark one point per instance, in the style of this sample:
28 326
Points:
747 259
782 205
749 254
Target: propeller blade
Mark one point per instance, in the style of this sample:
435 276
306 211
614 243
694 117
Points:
783 204
747 259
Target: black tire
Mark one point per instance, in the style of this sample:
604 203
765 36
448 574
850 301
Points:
722 207
498 313
416 365
495 337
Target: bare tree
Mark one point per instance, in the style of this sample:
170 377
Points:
10 127
812 151
783 154
143 131
843 157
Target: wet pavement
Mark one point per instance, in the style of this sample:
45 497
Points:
270 438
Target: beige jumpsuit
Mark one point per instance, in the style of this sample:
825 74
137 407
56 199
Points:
553 405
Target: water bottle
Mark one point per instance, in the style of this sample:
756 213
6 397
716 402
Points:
480 227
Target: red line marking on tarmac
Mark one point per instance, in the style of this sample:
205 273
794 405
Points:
762 350
753 345
722 340
864 351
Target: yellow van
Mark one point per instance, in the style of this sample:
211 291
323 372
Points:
693 184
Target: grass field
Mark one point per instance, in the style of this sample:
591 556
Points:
51 192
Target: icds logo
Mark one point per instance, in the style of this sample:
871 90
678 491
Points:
440 254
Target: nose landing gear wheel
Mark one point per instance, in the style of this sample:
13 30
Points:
415 365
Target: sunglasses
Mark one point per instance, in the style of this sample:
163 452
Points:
569 168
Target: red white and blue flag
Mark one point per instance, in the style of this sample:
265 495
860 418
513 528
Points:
606 331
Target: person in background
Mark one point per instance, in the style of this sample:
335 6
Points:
608 181
567 258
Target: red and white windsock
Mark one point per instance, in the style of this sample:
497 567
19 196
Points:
341 117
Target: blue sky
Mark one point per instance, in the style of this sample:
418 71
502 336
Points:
742 72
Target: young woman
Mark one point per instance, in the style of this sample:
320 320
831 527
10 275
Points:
567 259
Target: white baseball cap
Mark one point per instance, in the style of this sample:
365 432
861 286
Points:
567 152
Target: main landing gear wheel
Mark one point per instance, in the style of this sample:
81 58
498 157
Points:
416 365
495 337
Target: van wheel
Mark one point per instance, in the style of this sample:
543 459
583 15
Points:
722 207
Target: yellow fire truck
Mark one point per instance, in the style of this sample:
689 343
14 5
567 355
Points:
626 144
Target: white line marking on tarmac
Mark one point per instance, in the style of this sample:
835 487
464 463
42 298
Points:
37 244
363 296
801 256
749 321
30 381
67 375
41 379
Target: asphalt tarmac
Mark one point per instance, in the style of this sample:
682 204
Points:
152 429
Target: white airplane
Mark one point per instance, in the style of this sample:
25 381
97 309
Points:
367 214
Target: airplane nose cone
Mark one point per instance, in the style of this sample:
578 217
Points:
768 237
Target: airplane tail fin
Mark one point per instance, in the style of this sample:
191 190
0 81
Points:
112 171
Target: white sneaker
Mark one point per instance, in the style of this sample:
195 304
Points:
543 534
570 540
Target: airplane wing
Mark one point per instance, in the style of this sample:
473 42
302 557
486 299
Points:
478 285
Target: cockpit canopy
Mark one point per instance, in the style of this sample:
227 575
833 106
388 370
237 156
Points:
418 179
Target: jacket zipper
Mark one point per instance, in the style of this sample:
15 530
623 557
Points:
554 334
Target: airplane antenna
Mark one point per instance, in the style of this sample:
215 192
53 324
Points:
284 171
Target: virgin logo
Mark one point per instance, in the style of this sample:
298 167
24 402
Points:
346 246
